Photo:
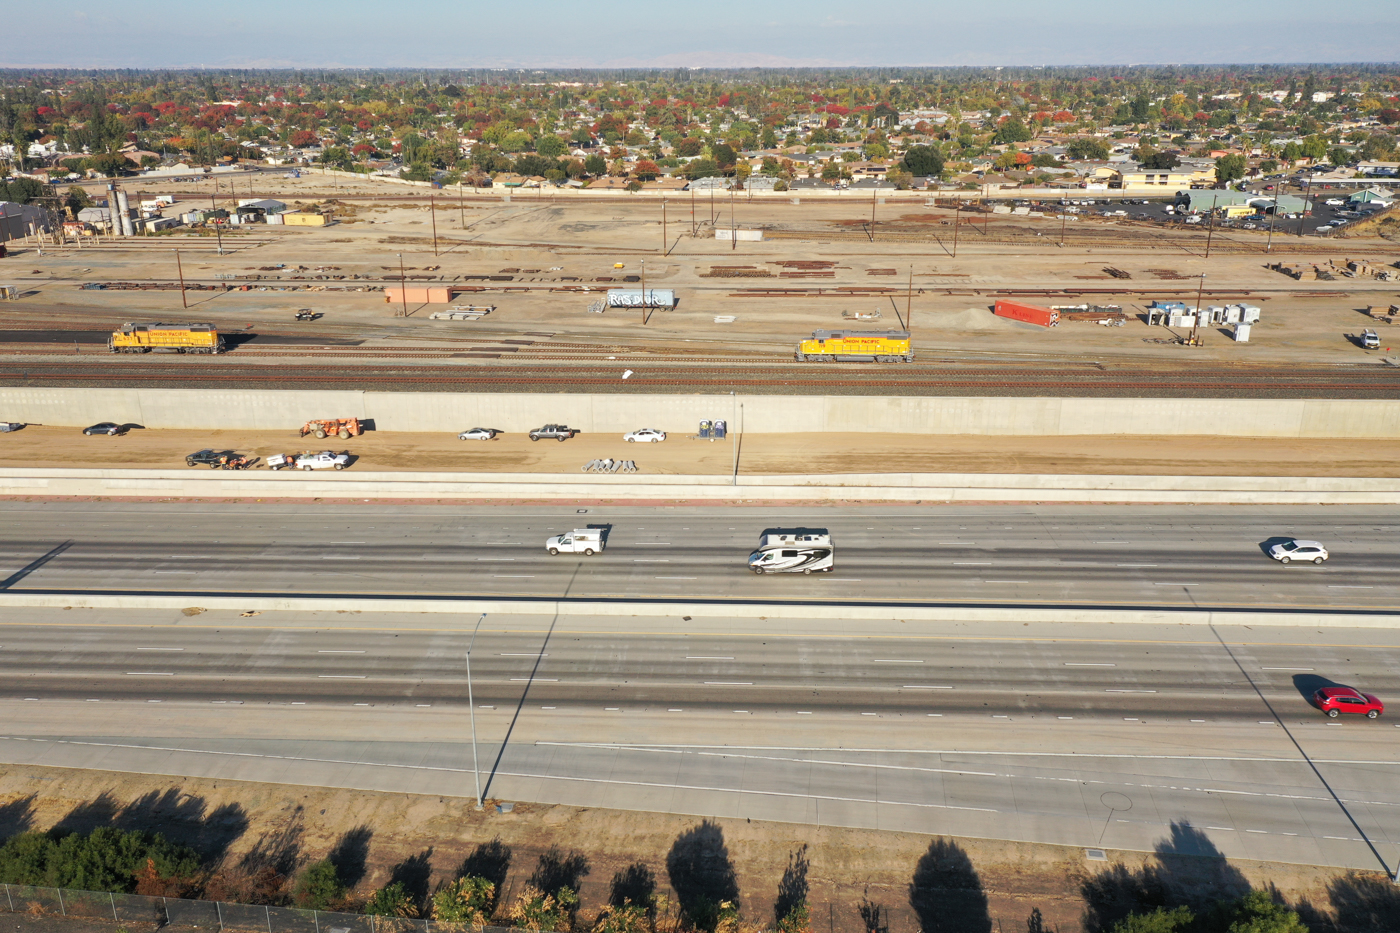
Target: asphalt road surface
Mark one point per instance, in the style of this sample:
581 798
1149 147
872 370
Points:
1192 738
1179 557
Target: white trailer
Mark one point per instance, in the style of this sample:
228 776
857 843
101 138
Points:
799 550
585 541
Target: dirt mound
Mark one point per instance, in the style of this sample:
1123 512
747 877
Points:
972 319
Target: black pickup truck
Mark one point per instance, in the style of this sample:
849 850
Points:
560 432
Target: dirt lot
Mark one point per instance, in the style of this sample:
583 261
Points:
950 884
66 447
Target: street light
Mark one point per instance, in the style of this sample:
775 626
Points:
471 705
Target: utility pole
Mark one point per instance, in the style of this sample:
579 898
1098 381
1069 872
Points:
403 287
957 222
872 214
1273 218
181 271
644 292
1064 215
432 210
1211 232
1307 206
471 704
218 227
461 206
909 302
1196 321
733 230
663 227
692 211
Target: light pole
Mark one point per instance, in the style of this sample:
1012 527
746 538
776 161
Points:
403 286
471 705
1196 321
181 271
733 439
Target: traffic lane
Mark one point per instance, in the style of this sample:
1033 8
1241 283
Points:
877 570
1027 678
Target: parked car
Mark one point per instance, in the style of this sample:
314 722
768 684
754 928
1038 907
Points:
208 457
1370 340
646 435
1337 700
560 432
478 434
103 427
322 460
7 426
1298 549
1334 202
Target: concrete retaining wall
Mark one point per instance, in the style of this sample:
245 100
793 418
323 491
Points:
891 487
516 412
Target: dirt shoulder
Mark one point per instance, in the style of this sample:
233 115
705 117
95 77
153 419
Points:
758 454
376 837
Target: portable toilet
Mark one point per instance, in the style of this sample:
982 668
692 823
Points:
718 429
1242 333
704 429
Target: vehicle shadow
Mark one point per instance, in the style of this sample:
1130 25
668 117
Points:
1268 543
604 529
1308 684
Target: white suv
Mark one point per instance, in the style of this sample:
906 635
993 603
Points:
1298 549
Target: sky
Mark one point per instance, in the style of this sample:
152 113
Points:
720 33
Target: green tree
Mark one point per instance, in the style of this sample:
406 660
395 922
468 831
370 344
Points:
77 199
319 886
1378 147
595 164
466 900
923 160
627 918
1292 152
551 146
1229 168
1087 148
724 156
1161 161
1315 147
1012 130
900 178
689 148
1339 156
1161 920
831 171
418 171
1257 912
105 859
391 901
1268 166
701 168
539 912
111 164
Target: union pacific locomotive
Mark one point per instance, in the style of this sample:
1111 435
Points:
856 346
166 338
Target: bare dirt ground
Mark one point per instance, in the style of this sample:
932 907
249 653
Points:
758 454
939 882
544 246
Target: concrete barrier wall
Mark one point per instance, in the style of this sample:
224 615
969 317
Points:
875 487
515 412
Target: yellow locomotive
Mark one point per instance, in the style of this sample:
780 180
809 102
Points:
857 346
166 338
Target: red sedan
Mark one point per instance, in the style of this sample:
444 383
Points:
1337 700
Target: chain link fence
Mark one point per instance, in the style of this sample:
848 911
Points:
156 912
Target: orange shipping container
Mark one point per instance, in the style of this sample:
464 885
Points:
1031 314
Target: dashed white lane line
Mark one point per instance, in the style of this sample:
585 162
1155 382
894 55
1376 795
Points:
544 680
729 683
150 674
341 676
708 657
340 651
926 687
495 558
648 560
1125 690
1137 565
513 576
894 661
1089 664
1176 584
522 654
1287 668
972 563
1006 581
1343 586
160 649
677 578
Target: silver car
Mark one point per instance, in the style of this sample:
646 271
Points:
477 434
1298 549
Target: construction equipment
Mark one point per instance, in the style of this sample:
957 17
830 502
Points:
306 314
340 427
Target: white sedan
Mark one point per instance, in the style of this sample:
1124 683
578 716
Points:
477 434
1334 202
646 435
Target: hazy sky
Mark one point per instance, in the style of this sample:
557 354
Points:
545 33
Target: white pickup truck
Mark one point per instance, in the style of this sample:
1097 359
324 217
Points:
310 461
585 541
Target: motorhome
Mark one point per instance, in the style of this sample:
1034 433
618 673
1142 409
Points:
795 550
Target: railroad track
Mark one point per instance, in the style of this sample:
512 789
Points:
765 378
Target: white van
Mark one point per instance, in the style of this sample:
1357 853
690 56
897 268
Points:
800 550
585 541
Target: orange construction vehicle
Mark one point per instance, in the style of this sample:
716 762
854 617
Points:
340 427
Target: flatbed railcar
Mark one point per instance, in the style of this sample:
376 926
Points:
166 338
856 346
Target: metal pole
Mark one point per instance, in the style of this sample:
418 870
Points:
268 914
733 436
471 705
733 230
692 211
1303 214
1273 218
432 209
909 304
461 206
872 214
1196 322
644 292
113 899
180 269
63 909
663 226
403 286
1210 234
957 222
1064 215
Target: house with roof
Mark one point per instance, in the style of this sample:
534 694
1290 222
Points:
1373 197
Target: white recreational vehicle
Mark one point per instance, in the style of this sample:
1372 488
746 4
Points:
796 550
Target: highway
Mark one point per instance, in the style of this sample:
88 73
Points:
1177 557
1091 735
